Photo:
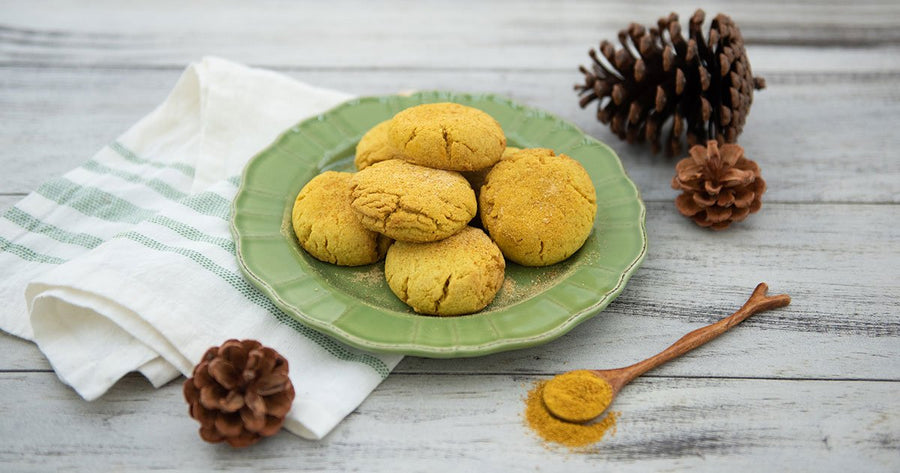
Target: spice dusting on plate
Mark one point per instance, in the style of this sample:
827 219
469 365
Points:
373 276
513 292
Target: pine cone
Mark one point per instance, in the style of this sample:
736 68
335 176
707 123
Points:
706 86
719 186
240 392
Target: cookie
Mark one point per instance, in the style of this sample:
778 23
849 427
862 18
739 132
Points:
374 147
476 178
538 206
455 276
326 226
447 136
509 151
408 202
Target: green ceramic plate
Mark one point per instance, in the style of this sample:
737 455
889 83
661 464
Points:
355 305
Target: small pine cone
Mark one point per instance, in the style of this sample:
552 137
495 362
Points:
719 186
240 392
703 86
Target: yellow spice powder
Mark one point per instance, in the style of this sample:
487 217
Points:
577 396
558 431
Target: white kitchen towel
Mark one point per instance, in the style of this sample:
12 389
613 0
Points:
126 263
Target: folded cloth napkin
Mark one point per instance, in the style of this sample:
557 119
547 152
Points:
127 262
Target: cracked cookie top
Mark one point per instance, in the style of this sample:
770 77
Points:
538 206
408 202
447 136
455 276
326 226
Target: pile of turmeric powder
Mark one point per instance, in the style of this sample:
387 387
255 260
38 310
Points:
571 390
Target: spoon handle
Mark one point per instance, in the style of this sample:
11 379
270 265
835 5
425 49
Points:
758 302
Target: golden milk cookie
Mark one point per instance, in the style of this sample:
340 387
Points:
538 206
409 202
455 276
374 147
509 151
476 178
447 136
326 226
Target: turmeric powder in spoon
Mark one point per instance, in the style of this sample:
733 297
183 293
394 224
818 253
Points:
577 396
557 431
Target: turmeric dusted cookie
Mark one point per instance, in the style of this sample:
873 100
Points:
455 276
509 151
476 178
374 147
538 206
447 136
408 202
327 227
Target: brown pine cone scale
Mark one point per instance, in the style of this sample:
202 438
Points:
719 185
240 392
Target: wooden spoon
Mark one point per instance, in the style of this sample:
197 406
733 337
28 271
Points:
579 402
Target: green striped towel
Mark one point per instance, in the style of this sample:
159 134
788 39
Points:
126 263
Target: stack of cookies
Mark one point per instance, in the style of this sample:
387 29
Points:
423 177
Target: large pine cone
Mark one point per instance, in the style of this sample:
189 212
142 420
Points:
240 392
705 86
719 186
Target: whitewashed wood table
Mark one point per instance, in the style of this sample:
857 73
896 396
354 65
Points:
812 387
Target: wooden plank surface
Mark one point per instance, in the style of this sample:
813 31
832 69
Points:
544 34
811 142
472 423
833 328
807 388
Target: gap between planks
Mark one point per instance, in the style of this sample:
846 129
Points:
514 374
654 376
4 203
771 76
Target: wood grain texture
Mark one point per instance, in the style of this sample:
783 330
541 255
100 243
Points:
811 142
810 387
545 34
471 423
